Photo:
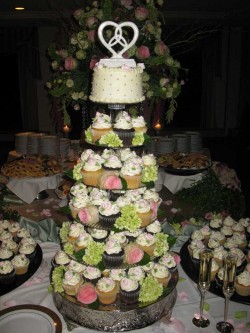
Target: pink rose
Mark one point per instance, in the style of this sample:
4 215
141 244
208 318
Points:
134 254
161 48
89 215
87 294
91 35
141 13
78 14
110 181
154 207
70 63
142 52
126 3
176 257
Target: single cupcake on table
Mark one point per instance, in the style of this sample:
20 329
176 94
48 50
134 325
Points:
123 128
139 124
161 273
113 254
71 282
242 284
144 211
108 213
21 264
147 242
91 171
92 274
7 272
106 290
100 126
132 173
129 290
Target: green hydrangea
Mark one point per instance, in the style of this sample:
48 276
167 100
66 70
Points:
77 171
129 220
161 244
151 290
93 253
138 139
111 139
57 279
149 173
68 248
63 233
88 135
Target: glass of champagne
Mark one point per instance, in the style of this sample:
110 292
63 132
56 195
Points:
206 257
228 289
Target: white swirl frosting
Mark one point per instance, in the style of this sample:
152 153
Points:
92 164
112 246
108 208
5 253
151 195
160 271
128 285
76 266
136 273
142 206
98 233
123 122
215 223
92 273
106 284
154 227
61 258
138 122
148 160
83 239
229 221
244 278
145 239
20 260
131 168
86 154
79 201
71 278
113 162
97 196
79 189
26 249
168 261
101 121
6 267
117 274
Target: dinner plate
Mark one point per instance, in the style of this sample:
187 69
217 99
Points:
185 172
29 319
193 274
20 279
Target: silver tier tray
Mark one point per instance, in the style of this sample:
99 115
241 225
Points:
114 318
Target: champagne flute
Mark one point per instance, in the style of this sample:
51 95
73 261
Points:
228 289
206 257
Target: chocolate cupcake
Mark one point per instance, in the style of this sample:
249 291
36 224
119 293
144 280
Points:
7 272
129 290
108 213
113 254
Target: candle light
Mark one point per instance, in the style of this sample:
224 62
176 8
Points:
66 129
157 128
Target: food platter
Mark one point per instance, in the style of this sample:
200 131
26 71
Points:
193 274
20 279
184 163
29 318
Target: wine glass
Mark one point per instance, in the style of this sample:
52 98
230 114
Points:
228 289
206 257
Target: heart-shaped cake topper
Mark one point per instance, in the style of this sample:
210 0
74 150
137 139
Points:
118 38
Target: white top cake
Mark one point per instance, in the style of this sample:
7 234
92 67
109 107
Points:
117 85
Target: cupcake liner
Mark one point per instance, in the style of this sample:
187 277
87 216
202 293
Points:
97 133
108 221
8 278
113 260
133 182
129 297
126 136
90 178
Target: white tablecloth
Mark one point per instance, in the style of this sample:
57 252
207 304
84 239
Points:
35 291
175 183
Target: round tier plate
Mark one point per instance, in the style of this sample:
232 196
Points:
115 317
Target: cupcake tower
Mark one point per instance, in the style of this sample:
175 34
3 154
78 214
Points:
114 252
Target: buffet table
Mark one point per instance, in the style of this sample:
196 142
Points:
35 291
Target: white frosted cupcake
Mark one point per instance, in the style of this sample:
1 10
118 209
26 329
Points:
76 266
216 224
11 245
13 228
147 242
92 274
101 125
98 235
123 128
144 211
91 171
106 290
113 163
168 261
6 254
139 124
161 273
79 189
61 258
113 254
21 264
129 290
97 196
71 282
229 221
108 213
7 272
137 273
132 173
74 232
82 241
119 237
218 235
242 284
154 228
227 230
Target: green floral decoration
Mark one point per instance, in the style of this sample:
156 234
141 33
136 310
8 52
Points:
93 253
138 139
73 57
151 290
161 244
64 231
88 135
111 139
149 173
68 248
129 220
77 171
57 279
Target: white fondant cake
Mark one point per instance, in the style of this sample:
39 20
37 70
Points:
117 84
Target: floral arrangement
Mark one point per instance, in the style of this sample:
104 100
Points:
72 61
226 175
